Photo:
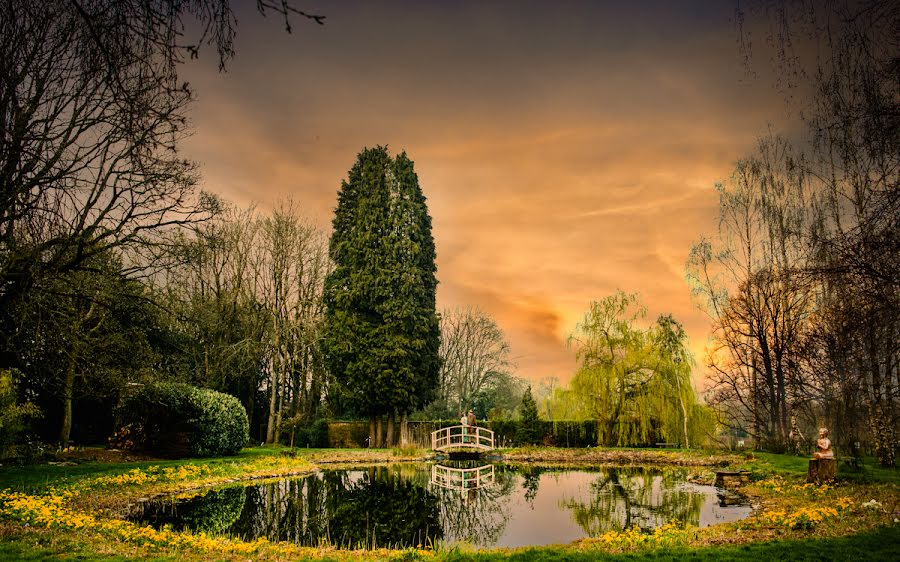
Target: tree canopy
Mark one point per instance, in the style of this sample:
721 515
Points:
382 335
635 381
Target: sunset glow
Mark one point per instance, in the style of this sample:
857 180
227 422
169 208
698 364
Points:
565 153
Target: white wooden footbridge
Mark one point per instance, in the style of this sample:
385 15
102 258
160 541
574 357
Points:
462 438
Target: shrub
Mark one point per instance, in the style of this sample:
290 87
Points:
313 434
14 416
564 433
179 420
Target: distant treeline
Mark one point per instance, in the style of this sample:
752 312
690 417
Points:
507 433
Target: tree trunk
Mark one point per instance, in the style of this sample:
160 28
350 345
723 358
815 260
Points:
684 413
65 431
280 410
68 390
379 435
389 434
404 430
821 470
273 399
251 412
371 432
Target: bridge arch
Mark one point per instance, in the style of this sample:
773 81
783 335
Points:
462 437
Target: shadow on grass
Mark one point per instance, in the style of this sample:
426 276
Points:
880 544
33 478
25 552
867 472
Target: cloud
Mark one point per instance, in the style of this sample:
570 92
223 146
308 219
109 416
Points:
564 154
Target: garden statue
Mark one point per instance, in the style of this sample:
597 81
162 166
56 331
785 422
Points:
823 445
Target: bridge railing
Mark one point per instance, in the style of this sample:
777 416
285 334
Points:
462 478
464 436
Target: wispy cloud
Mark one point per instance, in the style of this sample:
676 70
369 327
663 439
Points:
564 155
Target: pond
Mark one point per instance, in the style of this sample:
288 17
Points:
485 505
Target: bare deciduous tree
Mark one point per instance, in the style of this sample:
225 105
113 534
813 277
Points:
91 115
295 263
833 297
747 280
474 354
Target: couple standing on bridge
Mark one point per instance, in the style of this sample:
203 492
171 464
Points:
466 420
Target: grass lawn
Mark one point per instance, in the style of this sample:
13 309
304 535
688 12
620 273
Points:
67 512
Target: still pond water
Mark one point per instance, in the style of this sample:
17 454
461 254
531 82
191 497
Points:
485 505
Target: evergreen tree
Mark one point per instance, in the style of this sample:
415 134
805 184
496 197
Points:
529 431
382 336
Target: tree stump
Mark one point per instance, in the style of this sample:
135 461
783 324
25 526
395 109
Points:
821 470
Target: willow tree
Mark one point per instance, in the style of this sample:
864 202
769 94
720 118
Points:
673 368
381 335
634 381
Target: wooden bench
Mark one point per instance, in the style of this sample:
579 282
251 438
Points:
666 445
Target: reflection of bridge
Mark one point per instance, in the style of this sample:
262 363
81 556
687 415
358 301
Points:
462 437
462 479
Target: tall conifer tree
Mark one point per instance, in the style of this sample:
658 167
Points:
382 335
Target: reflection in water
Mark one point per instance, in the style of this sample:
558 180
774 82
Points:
377 507
462 479
475 515
621 498
214 511
463 502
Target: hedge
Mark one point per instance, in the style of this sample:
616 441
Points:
343 434
564 433
180 420
507 433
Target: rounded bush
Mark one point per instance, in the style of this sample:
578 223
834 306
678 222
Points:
180 420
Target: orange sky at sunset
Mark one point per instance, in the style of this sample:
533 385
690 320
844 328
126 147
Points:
566 150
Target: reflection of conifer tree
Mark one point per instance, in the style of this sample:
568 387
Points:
531 479
382 509
246 526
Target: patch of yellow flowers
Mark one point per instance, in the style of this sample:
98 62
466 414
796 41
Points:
777 484
806 517
803 518
670 534
50 511
844 503
152 473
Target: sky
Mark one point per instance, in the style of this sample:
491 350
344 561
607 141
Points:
567 150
